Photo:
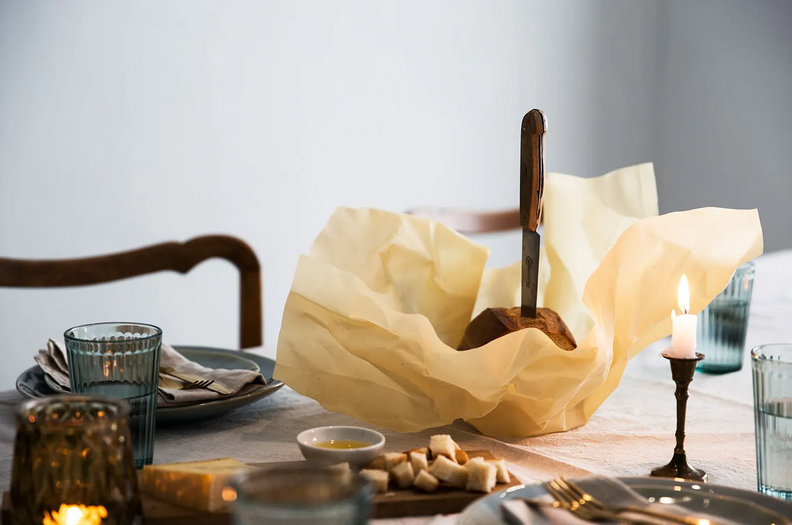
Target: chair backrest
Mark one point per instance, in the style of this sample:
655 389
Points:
467 222
174 256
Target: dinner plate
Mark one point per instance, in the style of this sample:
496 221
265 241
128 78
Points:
33 384
737 505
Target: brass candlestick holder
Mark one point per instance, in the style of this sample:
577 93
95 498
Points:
682 371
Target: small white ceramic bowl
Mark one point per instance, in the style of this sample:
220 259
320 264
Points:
356 457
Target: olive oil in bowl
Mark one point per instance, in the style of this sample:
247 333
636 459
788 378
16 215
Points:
343 444
332 445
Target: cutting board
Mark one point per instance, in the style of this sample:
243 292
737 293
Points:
393 504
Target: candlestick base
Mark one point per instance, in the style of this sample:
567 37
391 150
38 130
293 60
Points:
682 371
679 468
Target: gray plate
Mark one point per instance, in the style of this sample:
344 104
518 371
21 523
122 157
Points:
737 505
33 383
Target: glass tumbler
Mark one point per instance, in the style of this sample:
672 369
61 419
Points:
723 324
73 463
120 360
772 387
302 495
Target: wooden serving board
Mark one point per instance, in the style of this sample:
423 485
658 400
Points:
394 504
402 503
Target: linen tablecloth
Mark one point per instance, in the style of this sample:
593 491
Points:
629 435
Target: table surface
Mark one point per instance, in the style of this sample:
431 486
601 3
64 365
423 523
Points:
631 433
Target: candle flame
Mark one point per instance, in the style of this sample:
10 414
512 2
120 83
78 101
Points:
683 294
75 515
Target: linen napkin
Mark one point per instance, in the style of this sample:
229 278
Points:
54 362
610 492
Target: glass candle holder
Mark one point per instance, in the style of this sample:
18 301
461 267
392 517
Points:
301 495
73 463
120 360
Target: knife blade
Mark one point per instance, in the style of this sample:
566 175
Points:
534 126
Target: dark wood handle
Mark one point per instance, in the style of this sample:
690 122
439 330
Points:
534 126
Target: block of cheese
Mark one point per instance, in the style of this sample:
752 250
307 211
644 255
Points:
197 485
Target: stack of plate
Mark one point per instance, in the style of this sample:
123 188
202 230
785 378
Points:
34 383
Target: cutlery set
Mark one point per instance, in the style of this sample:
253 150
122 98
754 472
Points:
570 497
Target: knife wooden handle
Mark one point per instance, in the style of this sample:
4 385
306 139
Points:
534 126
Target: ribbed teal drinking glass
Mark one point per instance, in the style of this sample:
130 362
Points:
723 324
120 360
772 386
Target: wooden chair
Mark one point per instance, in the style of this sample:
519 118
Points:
174 256
467 222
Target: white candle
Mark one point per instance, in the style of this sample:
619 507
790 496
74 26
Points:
683 335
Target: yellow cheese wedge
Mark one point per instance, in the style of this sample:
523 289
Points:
197 485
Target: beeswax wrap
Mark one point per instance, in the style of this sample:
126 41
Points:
377 308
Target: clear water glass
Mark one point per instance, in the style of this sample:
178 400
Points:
302 495
120 360
723 324
772 386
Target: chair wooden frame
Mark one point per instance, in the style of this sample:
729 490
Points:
173 256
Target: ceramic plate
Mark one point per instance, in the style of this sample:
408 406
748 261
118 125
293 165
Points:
33 383
742 506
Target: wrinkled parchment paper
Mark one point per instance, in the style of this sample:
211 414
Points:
377 308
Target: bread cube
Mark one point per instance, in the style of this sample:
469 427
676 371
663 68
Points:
419 462
379 478
377 464
420 450
501 472
392 459
446 470
442 445
426 481
403 474
481 475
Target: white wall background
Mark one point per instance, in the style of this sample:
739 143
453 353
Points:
125 124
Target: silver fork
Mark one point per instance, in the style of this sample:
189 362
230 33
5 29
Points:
197 385
183 376
589 513
586 500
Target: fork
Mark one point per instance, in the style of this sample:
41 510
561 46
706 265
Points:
589 513
197 385
586 500
215 387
